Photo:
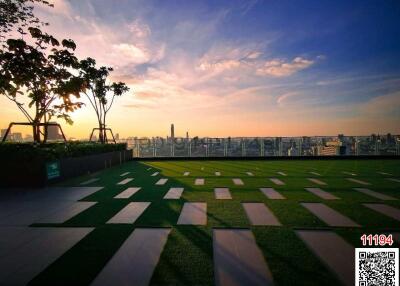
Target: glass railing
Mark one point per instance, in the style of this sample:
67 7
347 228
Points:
265 146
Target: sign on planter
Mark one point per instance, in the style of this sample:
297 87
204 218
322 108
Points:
53 170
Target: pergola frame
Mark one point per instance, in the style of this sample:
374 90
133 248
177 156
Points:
34 125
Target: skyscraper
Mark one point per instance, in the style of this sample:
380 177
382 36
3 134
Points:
172 132
53 132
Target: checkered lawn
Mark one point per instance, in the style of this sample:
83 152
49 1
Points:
187 256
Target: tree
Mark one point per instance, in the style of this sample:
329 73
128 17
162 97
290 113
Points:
100 92
19 14
44 77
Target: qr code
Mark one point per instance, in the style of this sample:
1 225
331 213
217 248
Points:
377 267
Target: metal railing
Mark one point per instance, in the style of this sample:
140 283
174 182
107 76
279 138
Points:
265 146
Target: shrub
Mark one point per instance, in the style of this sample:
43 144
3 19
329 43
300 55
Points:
53 151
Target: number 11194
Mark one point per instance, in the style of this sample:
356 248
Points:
376 240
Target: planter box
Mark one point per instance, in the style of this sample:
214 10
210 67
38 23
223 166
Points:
39 173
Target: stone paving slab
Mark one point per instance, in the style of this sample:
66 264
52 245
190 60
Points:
358 181
328 215
385 210
336 253
282 173
193 214
89 181
222 194
199 182
384 173
250 174
349 173
148 169
27 251
260 214
155 174
174 194
130 213
238 182
51 194
217 173
272 194
61 215
315 173
161 182
238 260
125 181
124 174
186 174
136 259
322 194
394 180
277 181
129 192
316 181
375 194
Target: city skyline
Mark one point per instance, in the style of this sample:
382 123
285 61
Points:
237 68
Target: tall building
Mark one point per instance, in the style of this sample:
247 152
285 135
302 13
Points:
53 132
17 137
3 132
172 132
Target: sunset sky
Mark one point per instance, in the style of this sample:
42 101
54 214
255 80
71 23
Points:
238 68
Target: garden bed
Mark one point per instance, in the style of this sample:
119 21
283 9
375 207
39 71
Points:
29 165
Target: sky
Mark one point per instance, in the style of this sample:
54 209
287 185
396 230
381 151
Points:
237 67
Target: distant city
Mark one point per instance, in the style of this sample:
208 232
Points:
172 145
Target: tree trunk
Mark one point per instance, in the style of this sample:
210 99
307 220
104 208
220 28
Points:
101 133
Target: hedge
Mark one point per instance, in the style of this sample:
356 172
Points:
53 151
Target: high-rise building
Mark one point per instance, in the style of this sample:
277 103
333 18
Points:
53 132
172 132
117 136
3 133
17 137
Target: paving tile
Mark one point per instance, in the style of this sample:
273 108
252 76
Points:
129 192
193 214
385 210
375 194
316 181
394 180
174 194
136 259
222 194
250 174
282 173
124 174
315 173
328 215
130 213
260 214
27 251
125 181
322 194
61 215
238 182
199 182
272 194
238 260
161 182
89 181
155 174
276 181
217 173
186 174
336 253
358 181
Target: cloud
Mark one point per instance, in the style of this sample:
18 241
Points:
282 98
280 68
